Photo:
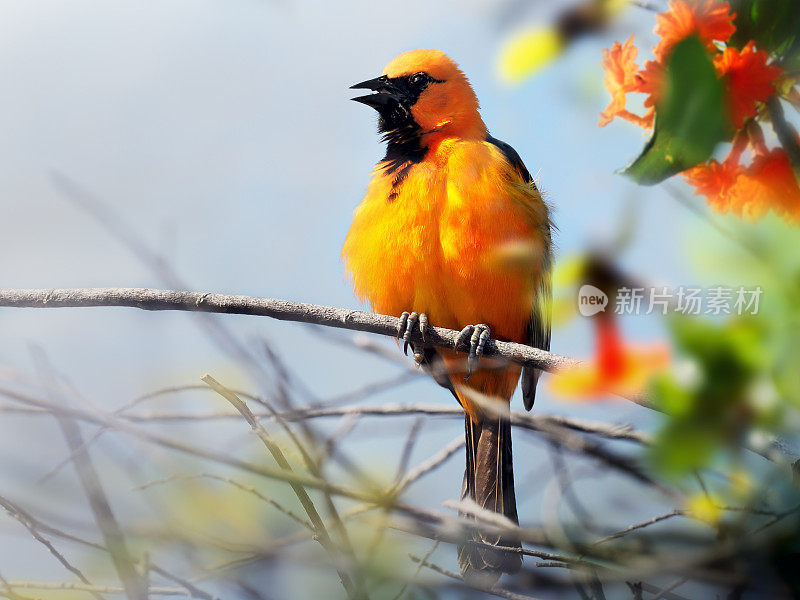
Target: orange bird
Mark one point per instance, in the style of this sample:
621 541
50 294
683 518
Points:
452 230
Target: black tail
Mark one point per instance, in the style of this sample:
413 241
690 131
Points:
489 481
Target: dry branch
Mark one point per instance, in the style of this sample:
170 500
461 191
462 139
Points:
284 310
531 421
494 590
100 589
133 584
150 299
551 427
321 532
29 523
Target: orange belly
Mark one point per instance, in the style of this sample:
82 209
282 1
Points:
437 248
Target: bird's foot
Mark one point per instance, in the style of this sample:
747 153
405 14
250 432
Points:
408 321
476 337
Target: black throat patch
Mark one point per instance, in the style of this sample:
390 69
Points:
402 134
403 151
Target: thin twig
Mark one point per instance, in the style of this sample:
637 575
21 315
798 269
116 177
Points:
494 590
102 589
554 432
302 495
411 440
192 589
104 213
196 451
414 575
636 589
421 521
346 425
133 583
283 398
101 509
531 421
775 519
29 523
35 525
10 593
677 583
432 463
565 480
245 488
552 564
627 530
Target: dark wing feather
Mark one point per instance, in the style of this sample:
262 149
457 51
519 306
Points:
538 334
539 325
512 157
434 366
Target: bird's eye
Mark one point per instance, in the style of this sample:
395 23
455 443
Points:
418 79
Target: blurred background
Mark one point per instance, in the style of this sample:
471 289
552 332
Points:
218 139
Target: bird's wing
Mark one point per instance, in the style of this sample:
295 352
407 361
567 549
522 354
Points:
540 322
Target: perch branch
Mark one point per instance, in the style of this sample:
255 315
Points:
355 320
151 299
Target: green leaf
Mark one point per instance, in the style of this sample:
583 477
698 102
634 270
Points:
690 119
773 25
685 445
671 397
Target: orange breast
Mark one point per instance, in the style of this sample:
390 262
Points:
441 246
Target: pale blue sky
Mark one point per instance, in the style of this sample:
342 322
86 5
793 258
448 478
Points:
222 132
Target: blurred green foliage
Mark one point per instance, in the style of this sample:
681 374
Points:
690 118
773 24
710 407
737 374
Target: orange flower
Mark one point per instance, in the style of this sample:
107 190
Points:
619 63
707 19
748 198
650 81
618 369
776 184
714 180
767 184
748 79
610 348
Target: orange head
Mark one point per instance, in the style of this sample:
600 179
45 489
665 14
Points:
421 93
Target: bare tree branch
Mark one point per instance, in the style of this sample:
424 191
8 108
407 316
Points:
134 585
494 590
627 530
663 593
431 463
150 299
554 431
102 589
420 564
30 524
353 591
245 488
531 421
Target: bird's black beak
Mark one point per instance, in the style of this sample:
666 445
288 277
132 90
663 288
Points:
386 93
375 85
